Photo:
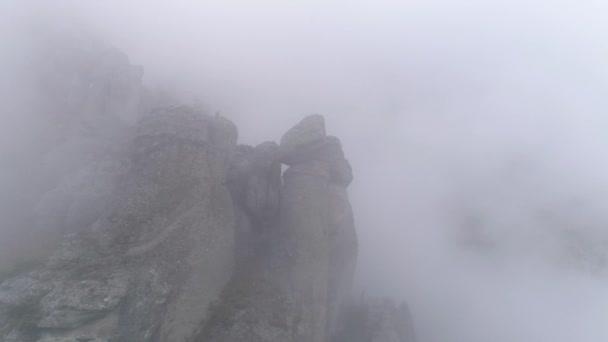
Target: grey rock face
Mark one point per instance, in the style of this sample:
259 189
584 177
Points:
21 290
375 320
256 178
149 269
69 305
311 129
72 339
171 233
327 149
322 162
305 220
255 305
264 184
317 217
207 241
293 291
343 253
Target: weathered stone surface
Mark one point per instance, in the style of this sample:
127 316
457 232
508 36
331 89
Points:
376 320
72 339
327 149
341 172
293 291
207 241
310 130
257 305
162 122
223 134
263 192
70 304
16 336
305 220
256 181
21 290
281 295
158 258
184 246
318 220
343 253
241 166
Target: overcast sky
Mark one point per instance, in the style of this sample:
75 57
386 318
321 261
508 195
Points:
477 131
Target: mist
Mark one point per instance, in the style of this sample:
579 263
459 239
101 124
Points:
476 131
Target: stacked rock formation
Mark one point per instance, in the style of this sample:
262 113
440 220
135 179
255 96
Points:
294 282
318 221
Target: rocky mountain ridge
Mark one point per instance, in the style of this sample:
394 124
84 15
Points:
193 237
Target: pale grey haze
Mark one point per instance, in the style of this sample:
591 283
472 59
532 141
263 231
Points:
477 131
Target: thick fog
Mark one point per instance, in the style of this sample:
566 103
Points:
477 132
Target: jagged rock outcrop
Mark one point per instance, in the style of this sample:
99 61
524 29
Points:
151 267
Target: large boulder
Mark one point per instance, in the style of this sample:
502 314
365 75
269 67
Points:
317 219
310 130
327 149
